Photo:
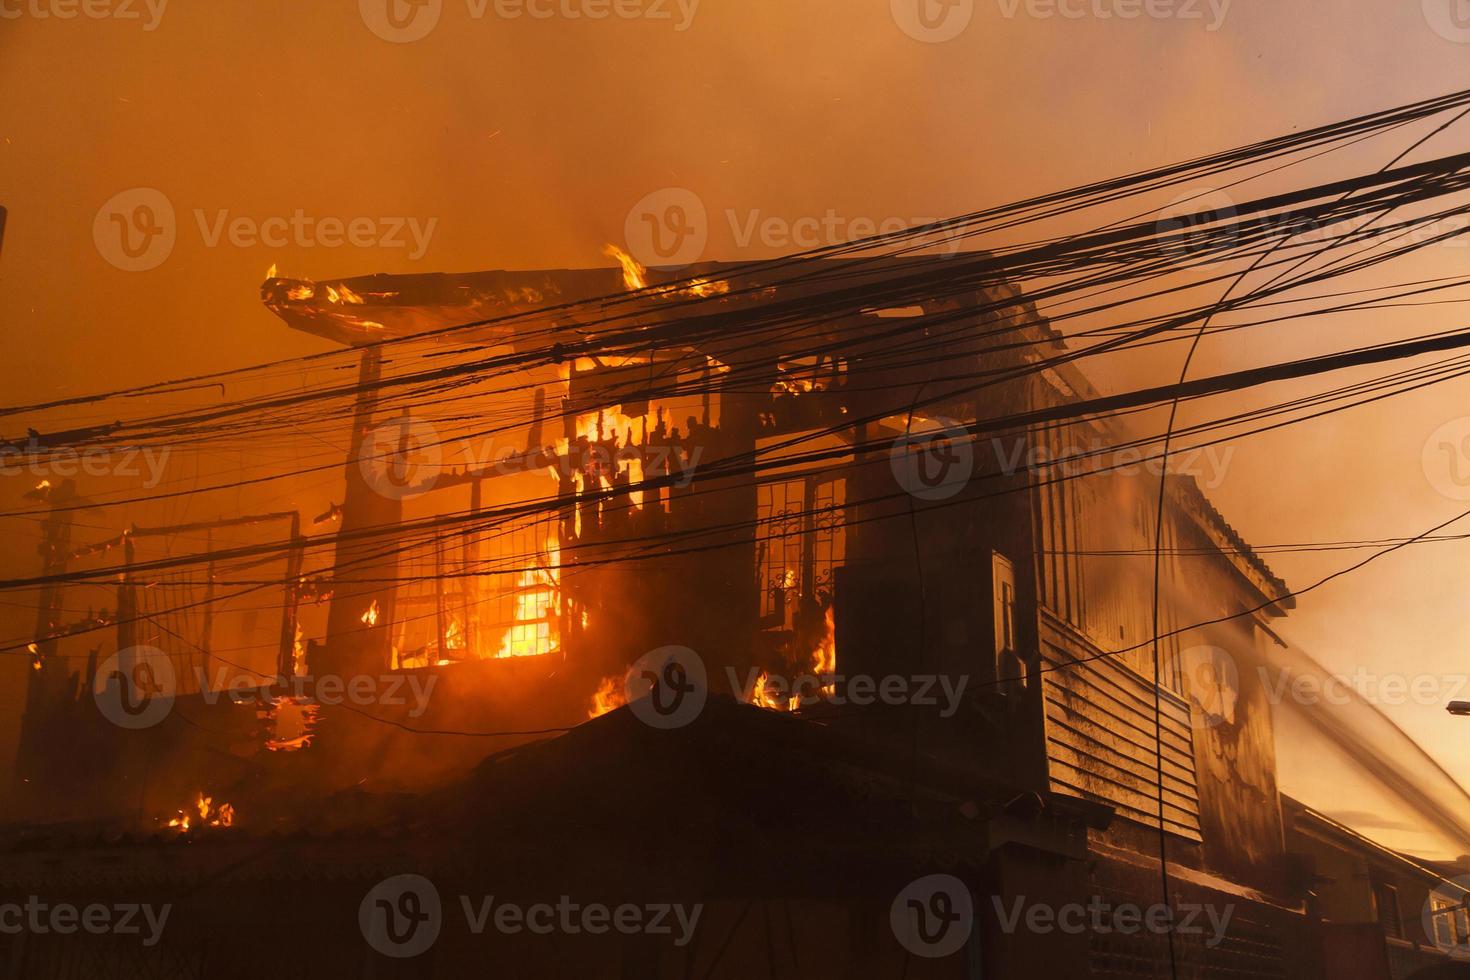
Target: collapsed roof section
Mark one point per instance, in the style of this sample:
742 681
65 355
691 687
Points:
548 306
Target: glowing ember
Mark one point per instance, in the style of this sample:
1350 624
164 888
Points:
371 616
209 815
705 287
35 656
609 695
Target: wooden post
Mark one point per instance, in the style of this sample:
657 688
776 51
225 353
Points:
46 685
291 602
206 643
441 625
364 569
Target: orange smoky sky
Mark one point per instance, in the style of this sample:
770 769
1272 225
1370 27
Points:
524 141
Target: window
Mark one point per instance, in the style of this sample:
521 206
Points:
1008 663
1386 899
800 541
1451 921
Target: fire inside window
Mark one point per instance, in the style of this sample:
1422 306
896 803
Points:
800 541
476 597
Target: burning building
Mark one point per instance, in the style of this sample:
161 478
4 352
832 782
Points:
917 606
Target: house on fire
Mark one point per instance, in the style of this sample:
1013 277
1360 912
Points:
976 617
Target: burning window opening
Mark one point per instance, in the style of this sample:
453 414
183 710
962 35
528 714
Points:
293 723
533 631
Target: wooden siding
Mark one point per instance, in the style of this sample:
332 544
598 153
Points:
1099 718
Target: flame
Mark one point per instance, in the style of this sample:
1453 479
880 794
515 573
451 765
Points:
298 654
634 274
271 272
704 287
302 292
342 294
35 656
609 695
209 815
824 657
538 594
454 635
371 616
43 485
761 697
635 277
